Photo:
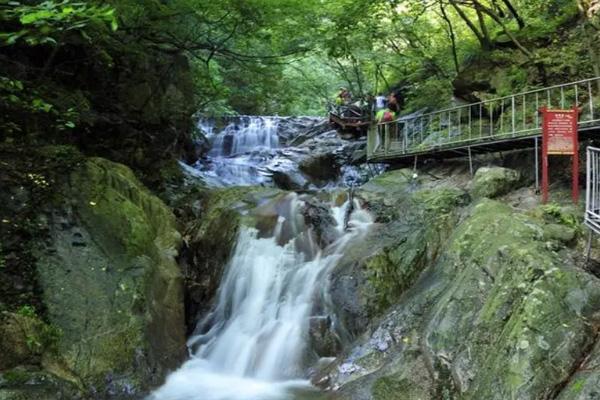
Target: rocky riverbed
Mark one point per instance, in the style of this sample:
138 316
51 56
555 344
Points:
462 287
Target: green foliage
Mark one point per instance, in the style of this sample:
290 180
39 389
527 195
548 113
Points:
289 57
562 215
25 108
27 311
15 377
49 21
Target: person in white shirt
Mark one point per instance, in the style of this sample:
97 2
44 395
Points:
379 102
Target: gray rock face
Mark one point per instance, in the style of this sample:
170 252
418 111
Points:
111 285
498 315
447 300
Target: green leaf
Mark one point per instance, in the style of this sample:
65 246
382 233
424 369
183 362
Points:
70 124
35 16
114 25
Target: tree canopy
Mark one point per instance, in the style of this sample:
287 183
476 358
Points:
290 56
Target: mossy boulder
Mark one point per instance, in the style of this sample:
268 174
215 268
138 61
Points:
494 181
25 383
499 315
584 384
111 283
374 273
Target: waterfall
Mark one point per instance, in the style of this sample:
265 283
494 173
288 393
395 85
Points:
253 345
240 151
249 134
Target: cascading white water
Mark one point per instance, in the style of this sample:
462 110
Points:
240 151
248 135
252 345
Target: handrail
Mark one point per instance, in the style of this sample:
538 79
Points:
507 116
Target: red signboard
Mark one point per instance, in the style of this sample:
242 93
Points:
559 137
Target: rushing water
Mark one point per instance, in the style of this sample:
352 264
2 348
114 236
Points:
253 345
249 150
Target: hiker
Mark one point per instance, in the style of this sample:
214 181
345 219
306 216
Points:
382 118
387 114
379 102
392 99
339 100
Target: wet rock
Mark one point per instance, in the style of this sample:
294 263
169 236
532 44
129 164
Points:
323 339
584 384
289 180
321 167
297 130
318 217
498 315
494 181
26 383
77 239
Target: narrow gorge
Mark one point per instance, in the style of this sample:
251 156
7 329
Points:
299 200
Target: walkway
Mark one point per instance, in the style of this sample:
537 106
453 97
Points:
504 123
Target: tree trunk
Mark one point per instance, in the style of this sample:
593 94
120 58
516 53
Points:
486 10
485 43
452 37
514 13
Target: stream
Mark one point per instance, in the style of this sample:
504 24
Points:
255 343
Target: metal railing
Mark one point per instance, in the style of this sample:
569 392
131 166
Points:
592 196
513 116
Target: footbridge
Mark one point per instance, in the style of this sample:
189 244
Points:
499 124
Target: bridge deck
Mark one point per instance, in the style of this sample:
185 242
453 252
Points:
500 124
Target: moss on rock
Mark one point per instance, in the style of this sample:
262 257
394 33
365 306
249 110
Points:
499 315
494 181
111 283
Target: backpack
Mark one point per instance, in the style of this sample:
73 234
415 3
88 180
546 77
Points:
388 116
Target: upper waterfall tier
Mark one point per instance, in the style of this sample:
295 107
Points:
293 153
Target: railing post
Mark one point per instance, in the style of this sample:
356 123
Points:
537 165
491 119
369 149
459 122
481 120
470 128
513 112
386 139
524 116
501 118
405 134
591 101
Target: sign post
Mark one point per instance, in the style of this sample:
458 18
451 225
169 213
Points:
559 137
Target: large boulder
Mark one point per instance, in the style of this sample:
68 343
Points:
494 181
321 167
111 284
414 222
499 315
